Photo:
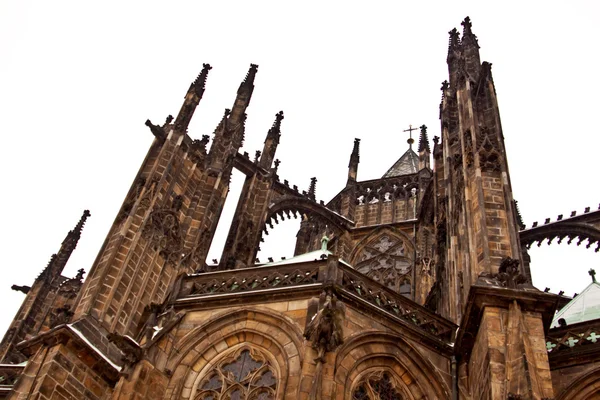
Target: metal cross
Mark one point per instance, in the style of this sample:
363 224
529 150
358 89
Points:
592 274
409 130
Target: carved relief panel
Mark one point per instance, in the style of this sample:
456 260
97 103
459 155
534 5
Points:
386 260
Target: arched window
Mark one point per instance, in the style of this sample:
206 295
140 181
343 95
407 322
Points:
377 386
384 260
246 374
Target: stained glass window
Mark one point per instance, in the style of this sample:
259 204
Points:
377 386
385 261
245 375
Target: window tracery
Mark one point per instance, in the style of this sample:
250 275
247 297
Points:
385 260
377 386
246 374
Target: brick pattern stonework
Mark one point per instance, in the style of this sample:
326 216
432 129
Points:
419 287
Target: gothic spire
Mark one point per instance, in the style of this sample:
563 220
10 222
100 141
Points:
354 160
191 101
423 140
59 260
453 42
244 94
271 142
200 82
312 188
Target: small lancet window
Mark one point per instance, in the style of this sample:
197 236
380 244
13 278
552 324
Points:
245 375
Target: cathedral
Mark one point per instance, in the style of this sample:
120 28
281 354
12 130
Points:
413 286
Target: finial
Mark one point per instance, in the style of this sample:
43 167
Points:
200 81
454 40
79 226
466 25
80 273
275 130
445 86
312 187
592 273
324 242
277 162
423 140
249 79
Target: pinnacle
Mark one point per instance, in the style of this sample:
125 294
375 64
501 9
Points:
466 25
248 82
312 188
200 81
423 140
276 128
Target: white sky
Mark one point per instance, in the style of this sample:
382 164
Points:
78 80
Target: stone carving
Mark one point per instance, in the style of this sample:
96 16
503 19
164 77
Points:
22 289
468 143
70 288
246 374
60 316
325 329
488 150
131 351
152 310
509 275
157 130
163 232
385 261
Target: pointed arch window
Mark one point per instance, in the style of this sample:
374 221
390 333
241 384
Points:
245 374
386 261
377 386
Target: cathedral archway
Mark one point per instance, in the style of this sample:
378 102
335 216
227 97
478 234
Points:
374 359
584 388
257 336
245 372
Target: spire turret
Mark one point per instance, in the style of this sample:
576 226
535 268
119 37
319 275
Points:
423 140
424 150
192 99
470 49
353 164
244 94
312 188
271 142
59 260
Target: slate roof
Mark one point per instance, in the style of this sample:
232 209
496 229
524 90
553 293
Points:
584 307
406 165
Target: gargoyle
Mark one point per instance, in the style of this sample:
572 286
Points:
132 352
23 289
325 329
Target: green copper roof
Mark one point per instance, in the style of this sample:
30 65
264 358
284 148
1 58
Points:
584 307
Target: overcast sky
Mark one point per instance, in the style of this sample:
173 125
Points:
78 79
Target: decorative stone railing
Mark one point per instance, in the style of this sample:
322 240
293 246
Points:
572 338
9 374
315 275
396 305
249 279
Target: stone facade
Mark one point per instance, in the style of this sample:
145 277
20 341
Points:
412 286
